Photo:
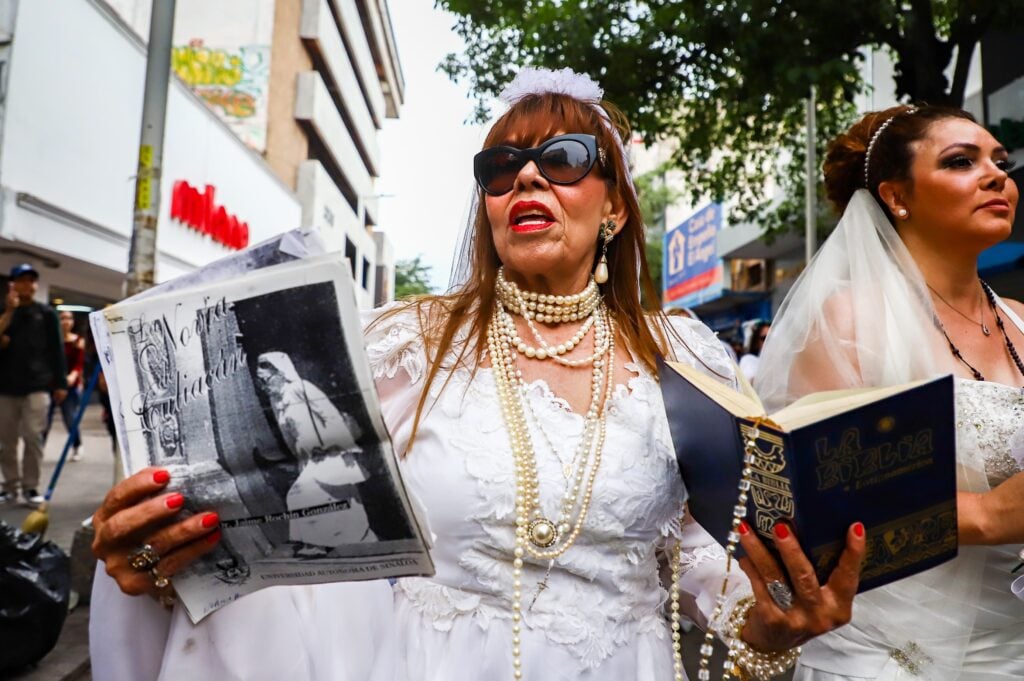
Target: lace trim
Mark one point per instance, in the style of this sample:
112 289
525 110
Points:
442 605
396 342
575 628
701 348
711 553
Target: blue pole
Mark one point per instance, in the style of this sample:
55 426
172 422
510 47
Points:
73 429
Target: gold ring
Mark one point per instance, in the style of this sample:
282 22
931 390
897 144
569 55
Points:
159 580
143 558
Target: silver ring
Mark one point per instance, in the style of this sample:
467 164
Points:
781 594
143 558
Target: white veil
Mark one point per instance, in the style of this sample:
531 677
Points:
860 315
861 309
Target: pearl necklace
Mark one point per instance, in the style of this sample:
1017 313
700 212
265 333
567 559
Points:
513 299
547 308
543 533
535 534
761 665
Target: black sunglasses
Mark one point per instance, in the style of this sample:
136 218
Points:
564 159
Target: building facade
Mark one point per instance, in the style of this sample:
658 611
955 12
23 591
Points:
252 144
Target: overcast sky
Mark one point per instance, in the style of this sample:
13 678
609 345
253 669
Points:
427 152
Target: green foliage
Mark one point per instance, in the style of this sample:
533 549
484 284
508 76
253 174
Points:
727 80
656 195
412 278
1010 132
654 249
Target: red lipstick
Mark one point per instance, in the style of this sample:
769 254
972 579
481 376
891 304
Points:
529 216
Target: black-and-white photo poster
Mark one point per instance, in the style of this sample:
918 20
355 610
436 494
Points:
255 393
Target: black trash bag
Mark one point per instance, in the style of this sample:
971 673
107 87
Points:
35 584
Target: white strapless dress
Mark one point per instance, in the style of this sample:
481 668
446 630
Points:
988 642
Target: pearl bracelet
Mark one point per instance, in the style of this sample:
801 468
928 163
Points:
759 664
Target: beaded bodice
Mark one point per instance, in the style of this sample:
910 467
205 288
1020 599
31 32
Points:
603 591
990 426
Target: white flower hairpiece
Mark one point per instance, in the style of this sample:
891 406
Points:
539 81
534 81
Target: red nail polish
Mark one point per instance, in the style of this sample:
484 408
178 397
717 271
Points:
175 500
858 529
781 531
210 520
213 538
161 477
744 528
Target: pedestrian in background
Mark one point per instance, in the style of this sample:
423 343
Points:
752 348
31 369
74 361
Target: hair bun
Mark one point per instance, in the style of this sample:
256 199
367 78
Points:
844 159
890 135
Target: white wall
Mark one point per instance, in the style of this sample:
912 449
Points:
240 29
70 138
327 210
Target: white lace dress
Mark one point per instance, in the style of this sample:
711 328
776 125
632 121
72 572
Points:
600 618
990 424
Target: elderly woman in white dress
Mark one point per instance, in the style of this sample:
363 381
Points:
530 423
894 296
328 474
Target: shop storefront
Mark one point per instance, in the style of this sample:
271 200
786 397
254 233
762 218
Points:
71 110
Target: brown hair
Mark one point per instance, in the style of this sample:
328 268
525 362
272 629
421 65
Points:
527 123
891 156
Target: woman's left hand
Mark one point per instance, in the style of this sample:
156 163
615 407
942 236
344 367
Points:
815 609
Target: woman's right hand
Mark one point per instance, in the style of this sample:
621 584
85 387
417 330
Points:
138 511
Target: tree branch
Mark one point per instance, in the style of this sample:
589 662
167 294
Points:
965 32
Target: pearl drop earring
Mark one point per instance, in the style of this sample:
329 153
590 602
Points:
605 233
903 213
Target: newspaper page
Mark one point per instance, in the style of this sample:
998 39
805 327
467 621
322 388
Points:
256 394
302 242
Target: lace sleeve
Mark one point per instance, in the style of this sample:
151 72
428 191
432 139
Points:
703 568
398 362
694 343
394 341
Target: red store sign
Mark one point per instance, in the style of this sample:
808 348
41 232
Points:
199 212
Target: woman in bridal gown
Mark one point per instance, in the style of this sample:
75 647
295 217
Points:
496 438
892 296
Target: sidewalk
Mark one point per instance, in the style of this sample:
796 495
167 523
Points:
80 490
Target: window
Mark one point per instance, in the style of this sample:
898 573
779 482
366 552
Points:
350 254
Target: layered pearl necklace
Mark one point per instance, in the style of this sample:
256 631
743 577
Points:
552 309
536 534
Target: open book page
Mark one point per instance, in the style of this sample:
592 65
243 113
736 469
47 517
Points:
256 394
742 404
819 406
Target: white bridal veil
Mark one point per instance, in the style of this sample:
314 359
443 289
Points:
860 315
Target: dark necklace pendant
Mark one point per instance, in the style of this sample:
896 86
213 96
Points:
985 330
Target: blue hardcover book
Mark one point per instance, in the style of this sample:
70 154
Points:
885 457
